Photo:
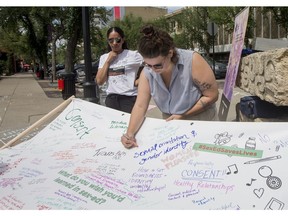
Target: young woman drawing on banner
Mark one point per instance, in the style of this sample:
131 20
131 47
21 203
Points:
119 68
181 83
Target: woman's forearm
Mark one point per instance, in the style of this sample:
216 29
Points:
201 105
102 74
136 120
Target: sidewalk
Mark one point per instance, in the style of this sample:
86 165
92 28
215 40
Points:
22 102
24 99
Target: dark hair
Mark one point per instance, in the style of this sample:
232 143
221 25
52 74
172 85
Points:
120 32
155 42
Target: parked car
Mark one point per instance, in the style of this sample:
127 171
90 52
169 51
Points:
57 67
220 68
79 71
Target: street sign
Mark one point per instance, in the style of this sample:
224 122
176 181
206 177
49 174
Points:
212 28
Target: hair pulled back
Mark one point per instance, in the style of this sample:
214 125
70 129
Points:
155 42
120 32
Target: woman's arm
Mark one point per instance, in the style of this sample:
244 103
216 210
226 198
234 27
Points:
102 75
138 112
204 78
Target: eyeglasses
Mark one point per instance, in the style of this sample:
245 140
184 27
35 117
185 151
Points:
112 40
155 66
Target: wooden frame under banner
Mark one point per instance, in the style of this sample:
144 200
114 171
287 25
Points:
39 122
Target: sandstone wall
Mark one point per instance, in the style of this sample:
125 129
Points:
265 74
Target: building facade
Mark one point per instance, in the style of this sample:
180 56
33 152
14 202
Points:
146 13
266 34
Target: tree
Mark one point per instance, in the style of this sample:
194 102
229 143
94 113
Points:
31 30
280 15
74 33
225 17
12 41
194 28
99 17
131 25
32 24
73 26
163 23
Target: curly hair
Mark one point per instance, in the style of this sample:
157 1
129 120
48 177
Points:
155 42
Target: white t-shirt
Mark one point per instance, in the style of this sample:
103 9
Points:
122 72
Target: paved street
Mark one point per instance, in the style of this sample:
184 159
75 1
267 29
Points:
24 99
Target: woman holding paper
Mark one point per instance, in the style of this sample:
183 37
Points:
181 83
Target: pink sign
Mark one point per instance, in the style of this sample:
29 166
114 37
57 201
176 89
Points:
235 53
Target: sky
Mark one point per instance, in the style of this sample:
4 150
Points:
171 9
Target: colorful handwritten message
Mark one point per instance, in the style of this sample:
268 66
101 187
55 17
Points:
78 162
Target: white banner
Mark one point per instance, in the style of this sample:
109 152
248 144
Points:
78 162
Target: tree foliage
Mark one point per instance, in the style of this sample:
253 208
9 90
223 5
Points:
99 18
31 32
224 16
28 26
280 15
131 25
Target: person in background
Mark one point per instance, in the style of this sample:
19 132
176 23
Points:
119 67
180 81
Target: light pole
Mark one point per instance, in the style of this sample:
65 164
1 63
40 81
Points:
212 29
89 86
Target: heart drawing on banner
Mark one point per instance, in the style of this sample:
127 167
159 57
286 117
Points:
258 192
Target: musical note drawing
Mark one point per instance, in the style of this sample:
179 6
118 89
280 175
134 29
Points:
231 166
249 184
